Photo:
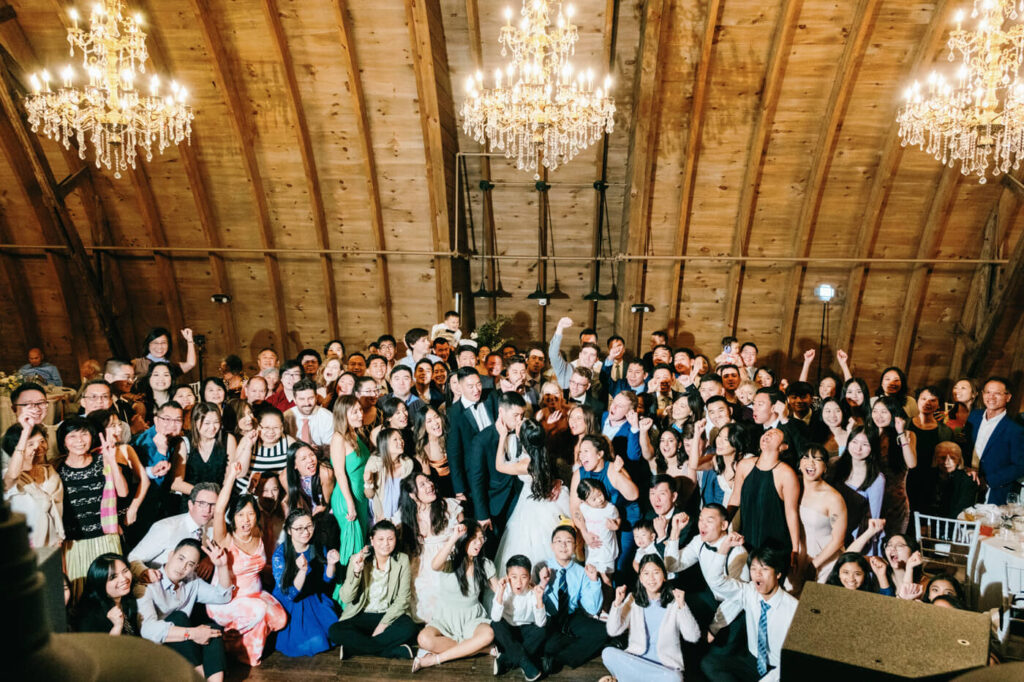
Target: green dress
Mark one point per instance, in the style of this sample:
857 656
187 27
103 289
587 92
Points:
353 533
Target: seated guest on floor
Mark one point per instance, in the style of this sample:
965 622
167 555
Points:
107 604
518 618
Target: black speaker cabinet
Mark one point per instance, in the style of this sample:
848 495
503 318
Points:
845 635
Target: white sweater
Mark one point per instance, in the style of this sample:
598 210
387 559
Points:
677 621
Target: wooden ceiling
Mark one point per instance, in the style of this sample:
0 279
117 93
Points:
329 181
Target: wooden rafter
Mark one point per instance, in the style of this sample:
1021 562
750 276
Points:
639 175
935 224
14 280
695 131
308 162
842 87
245 130
778 57
437 116
37 181
928 48
200 195
355 88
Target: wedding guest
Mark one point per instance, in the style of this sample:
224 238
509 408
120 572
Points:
460 625
822 517
304 579
384 472
307 421
518 618
215 392
852 571
349 456
31 485
996 442
107 604
212 446
430 435
307 483
147 558
952 489
859 470
166 606
38 367
656 616
262 452
377 593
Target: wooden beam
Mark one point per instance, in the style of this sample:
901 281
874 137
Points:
200 195
7 13
640 168
355 88
935 224
245 130
154 225
37 180
15 280
695 131
929 47
308 162
440 140
71 182
842 87
778 56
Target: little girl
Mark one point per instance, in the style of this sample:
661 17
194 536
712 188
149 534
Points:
643 538
602 521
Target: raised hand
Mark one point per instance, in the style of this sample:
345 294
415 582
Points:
841 357
784 384
660 526
301 563
500 594
618 464
544 574
679 522
218 557
633 418
698 428
554 416
591 572
875 526
901 425
357 561
645 424
731 540
914 560
680 598
563 324
910 591
878 565
809 355
187 333
620 595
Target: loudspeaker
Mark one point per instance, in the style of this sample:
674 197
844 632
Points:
848 635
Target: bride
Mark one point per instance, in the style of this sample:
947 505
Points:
542 503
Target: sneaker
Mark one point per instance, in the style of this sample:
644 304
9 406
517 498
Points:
341 653
402 652
530 671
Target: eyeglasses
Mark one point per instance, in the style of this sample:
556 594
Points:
291 375
95 398
901 545
35 406
204 505
303 529
170 420
579 384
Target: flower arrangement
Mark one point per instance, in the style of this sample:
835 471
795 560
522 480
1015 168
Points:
9 382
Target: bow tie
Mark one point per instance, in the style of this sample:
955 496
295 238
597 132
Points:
710 547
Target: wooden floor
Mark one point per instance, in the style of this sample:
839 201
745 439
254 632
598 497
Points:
277 668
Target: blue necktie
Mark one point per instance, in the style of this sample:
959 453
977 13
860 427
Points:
762 640
562 592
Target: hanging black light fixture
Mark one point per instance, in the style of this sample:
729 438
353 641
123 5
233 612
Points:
602 231
483 291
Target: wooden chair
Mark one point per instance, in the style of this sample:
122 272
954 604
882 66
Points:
947 546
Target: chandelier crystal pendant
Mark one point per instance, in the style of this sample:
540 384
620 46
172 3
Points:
540 111
976 118
109 110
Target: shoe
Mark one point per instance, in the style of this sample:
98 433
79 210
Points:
501 665
548 665
403 652
417 663
341 653
530 671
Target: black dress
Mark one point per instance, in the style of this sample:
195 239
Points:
762 512
211 470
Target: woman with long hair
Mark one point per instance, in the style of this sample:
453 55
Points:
835 415
211 448
893 384
860 469
349 456
304 580
425 522
898 451
822 516
855 392
107 604
155 389
717 476
109 424
543 502
583 422
656 616
430 435
384 472
215 391
326 378
965 396
928 432
307 483
852 571
92 483
253 613
395 414
460 626
553 415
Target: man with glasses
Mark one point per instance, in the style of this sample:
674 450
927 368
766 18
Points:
578 392
150 555
157 448
97 395
386 347
30 399
996 442
284 397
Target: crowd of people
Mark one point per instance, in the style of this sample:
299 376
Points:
661 511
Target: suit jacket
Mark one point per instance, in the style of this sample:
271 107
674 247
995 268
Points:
493 493
462 429
355 591
589 400
1002 462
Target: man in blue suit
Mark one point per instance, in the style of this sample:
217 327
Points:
996 442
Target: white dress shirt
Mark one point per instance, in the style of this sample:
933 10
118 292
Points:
519 609
161 539
679 559
985 430
479 413
782 608
321 425
162 599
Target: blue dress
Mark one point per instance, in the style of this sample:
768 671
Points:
310 612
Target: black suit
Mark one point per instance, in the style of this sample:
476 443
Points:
589 401
462 428
494 494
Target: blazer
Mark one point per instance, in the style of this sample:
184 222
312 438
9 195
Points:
462 429
1002 463
589 400
490 490
677 621
355 591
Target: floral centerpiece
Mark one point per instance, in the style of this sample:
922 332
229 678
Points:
9 382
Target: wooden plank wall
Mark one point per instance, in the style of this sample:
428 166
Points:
754 78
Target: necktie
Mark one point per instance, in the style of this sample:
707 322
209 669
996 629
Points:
198 533
616 371
305 435
762 640
562 591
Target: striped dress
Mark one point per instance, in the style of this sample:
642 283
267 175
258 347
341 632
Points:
270 459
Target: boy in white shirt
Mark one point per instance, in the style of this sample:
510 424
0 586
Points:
519 617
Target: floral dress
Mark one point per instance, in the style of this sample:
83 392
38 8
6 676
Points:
253 613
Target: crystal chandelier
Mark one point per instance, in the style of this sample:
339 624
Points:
540 111
978 118
109 110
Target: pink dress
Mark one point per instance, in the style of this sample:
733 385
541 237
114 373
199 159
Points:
252 612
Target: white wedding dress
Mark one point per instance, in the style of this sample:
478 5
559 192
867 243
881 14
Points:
529 529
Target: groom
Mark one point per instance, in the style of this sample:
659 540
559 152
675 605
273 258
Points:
494 494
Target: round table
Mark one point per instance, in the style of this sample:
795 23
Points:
989 569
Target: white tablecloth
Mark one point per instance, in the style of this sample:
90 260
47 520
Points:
989 570
57 396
